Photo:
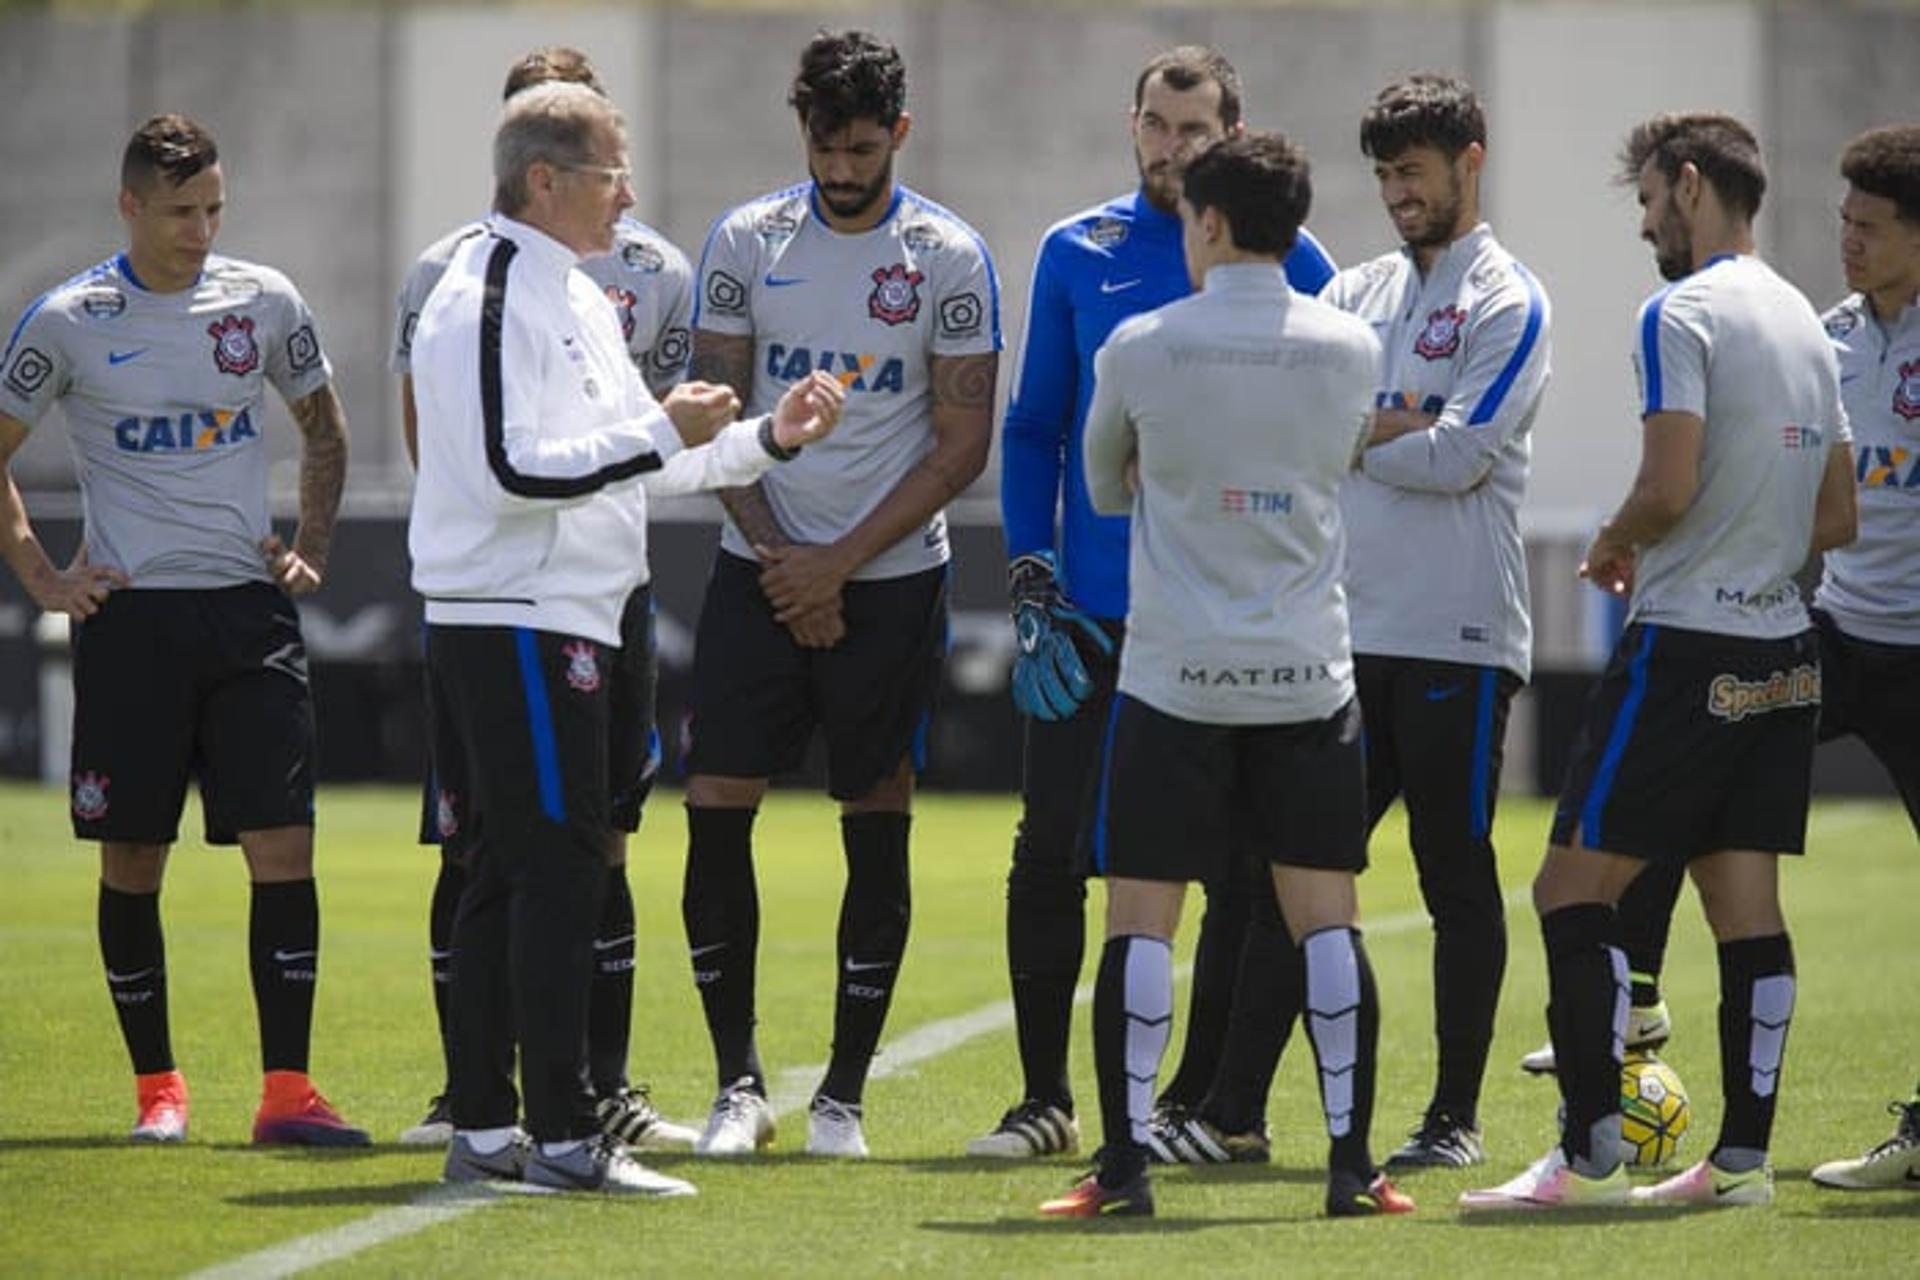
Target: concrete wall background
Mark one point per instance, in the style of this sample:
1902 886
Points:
353 137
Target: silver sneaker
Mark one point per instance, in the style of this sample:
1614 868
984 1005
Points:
435 1130
833 1129
600 1164
741 1123
508 1164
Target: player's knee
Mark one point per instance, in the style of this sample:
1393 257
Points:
278 854
711 791
132 868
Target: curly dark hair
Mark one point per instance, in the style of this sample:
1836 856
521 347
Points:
1885 162
1724 151
1260 182
549 63
167 145
1424 110
846 76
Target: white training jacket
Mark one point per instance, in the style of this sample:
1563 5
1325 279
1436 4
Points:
539 443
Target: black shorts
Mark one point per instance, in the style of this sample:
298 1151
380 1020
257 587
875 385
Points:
1693 743
1178 798
758 696
1871 691
209 684
633 741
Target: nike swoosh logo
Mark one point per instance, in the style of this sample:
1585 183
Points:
439 955
610 943
780 282
856 966
1441 695
121 357
288 957
130 977
697 952
1116 286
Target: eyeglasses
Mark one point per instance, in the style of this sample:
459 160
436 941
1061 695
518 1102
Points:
609 175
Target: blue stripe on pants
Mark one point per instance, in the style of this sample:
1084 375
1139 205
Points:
1623 719
1478 805
546 750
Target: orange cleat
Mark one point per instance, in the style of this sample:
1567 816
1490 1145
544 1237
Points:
163 1107
1088 1199
1349 1197
292 1113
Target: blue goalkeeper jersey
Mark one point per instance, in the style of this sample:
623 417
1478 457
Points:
1094 270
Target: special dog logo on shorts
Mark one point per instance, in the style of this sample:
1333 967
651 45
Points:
1732 699
896 294
583 666
446 817
90 796
234 350
1906 392
623 301
1440 337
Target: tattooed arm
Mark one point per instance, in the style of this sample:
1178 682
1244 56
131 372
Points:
726 359
799 579
323 473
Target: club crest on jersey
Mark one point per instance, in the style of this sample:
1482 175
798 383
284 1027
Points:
90 796
623 301
643 258
896 294
1842 322
234 350
583 666
1107 233
1440 337
446 815
1906 392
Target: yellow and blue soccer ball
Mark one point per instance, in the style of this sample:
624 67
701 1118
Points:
1654 1113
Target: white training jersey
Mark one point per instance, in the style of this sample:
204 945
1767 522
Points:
1872 587
646 278
163 395
873 309
1244 405
1738 347
1435 564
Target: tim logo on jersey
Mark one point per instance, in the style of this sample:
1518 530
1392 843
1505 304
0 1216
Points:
192 432
234 350
854 370
1906 392
1440 336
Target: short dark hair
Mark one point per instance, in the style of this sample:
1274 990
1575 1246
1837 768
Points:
553 62
169 146
846 76
1259 182
1189 67
1885 162
1724 151
1426 109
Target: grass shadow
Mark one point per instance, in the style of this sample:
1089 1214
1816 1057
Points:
382 1195
75 1143
1599 1215
1082 1226
1894 1202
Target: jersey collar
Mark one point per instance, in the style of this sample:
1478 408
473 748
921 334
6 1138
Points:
1151 216
819 216
535 242
124 265
1467 247
1247 277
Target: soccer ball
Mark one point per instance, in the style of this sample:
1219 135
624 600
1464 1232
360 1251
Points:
1654 1114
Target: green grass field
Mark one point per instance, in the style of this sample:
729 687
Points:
76 1199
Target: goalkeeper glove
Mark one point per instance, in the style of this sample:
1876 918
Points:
1050 681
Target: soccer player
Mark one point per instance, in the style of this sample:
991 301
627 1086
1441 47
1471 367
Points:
1096 268
539 444
827 605
1437 585
188 660
1226 423
650 284
1698 740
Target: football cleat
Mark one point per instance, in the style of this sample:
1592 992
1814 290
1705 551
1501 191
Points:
1088 1199
1176 1135
629 1116
833 1129
465 1164
1030 1129
1894 1163
162 1096
1350 1196
1648 1027
1441 1142
292 1113
740 1124
1550 1183
1708 1184
435 1128
601 1164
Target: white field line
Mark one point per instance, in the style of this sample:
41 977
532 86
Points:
792 1093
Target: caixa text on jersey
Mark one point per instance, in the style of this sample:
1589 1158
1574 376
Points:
184 433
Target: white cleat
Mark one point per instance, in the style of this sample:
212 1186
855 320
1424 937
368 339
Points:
1707 1184
629 1116
1550 1183
1894 1163
1647 1029
741 1123
833 1129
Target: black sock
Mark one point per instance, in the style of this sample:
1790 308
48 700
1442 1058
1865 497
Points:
1132 1022
1469 964
1587 1014
1046 942
1268 994
874 912
283 937
1343 1025
610 993
446 902
1216 962
135 956
1646 917
1756 1004
720 904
